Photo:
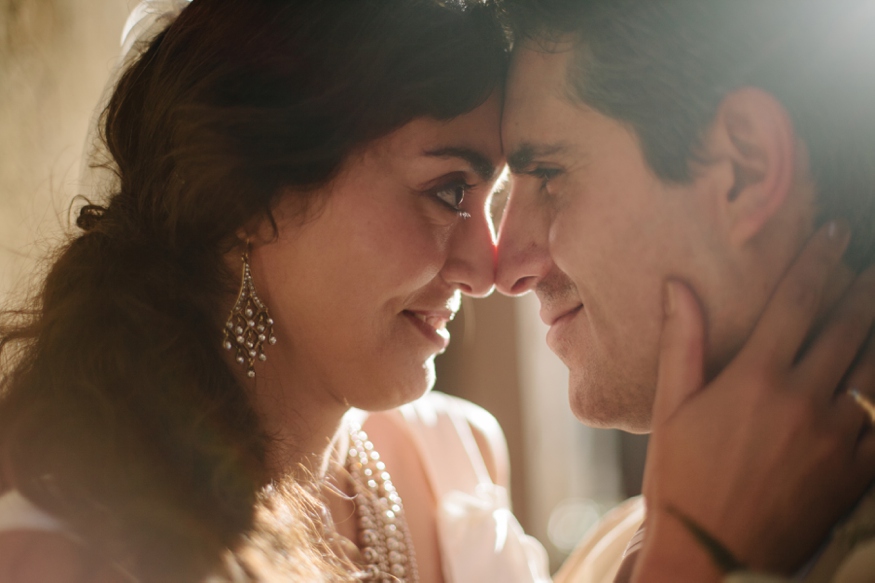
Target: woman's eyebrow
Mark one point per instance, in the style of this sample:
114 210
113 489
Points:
479 162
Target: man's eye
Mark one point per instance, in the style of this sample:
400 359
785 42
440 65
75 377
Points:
452 195
545 175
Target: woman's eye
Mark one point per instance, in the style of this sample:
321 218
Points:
452 195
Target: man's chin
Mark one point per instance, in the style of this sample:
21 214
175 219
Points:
609 407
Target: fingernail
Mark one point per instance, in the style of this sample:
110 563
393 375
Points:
838 230
864 402
669 299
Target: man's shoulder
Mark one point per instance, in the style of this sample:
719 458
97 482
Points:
849 557
597 557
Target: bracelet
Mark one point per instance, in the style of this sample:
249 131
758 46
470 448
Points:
722 558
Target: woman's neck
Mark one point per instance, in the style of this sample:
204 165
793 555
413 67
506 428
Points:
301 420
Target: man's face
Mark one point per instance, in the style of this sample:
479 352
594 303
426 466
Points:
595 233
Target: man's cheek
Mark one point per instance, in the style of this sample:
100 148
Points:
568 247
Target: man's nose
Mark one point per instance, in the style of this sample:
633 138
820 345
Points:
523 256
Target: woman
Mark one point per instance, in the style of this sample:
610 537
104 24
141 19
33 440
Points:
338 161
301 197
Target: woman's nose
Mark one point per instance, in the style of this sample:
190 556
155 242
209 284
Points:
471 262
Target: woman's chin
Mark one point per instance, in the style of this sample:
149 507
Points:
394 391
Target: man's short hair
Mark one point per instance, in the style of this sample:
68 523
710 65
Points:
664 66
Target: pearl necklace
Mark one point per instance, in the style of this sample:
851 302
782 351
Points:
384 538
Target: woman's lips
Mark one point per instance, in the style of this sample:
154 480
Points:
433 325
436 322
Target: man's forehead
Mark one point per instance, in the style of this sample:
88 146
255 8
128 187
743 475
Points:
537 74
539 108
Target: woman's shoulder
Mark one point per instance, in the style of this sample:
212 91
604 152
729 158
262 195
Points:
37 556
487 433
32 555
441 418
35 548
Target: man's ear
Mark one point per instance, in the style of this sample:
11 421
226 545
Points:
754 134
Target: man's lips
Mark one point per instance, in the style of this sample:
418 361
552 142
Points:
552 316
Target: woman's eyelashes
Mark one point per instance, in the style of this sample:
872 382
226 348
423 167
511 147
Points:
451 195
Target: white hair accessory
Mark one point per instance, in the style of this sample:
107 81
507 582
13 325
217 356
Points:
145 22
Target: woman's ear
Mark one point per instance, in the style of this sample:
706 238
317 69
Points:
754 134
257 231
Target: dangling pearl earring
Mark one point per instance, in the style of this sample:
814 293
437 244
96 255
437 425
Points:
249 324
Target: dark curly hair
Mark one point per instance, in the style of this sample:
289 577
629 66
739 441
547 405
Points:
118 412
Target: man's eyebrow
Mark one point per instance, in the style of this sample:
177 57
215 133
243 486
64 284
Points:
482 166
522 156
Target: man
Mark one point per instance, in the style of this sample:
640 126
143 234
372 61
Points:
679 139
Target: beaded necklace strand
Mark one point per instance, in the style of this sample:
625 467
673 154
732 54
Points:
383 535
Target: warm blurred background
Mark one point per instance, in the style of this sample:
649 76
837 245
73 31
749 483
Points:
55 56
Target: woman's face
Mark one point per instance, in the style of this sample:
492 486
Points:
362 290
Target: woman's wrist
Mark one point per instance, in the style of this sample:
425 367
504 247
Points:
722 558
672 553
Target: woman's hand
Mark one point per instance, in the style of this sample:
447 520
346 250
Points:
773 451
